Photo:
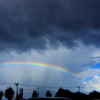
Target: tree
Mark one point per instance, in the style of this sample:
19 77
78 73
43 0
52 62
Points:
48 94
34 94
94 95
60 93
63 93
1 94
9 93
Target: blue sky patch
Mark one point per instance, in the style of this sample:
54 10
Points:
88 79
96 66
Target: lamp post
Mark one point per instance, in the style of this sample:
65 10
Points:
16 84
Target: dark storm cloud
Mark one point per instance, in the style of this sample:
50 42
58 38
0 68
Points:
29 24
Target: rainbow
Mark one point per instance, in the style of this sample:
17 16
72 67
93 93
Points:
44 65
37 64
97 86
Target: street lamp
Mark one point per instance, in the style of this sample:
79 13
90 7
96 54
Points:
16 84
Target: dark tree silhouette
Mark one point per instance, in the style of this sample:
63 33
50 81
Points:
60 93
9 93
48 94
1 94
80 96
94 95
34 94
64 93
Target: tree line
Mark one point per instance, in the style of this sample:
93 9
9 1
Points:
73 95
9 93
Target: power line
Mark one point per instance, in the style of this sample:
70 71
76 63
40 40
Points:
29 89
6 83
42 86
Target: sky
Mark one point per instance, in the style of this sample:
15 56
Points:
61 34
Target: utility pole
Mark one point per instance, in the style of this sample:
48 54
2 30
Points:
16 84
78 88
79 92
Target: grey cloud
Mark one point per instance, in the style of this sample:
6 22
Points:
26 25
